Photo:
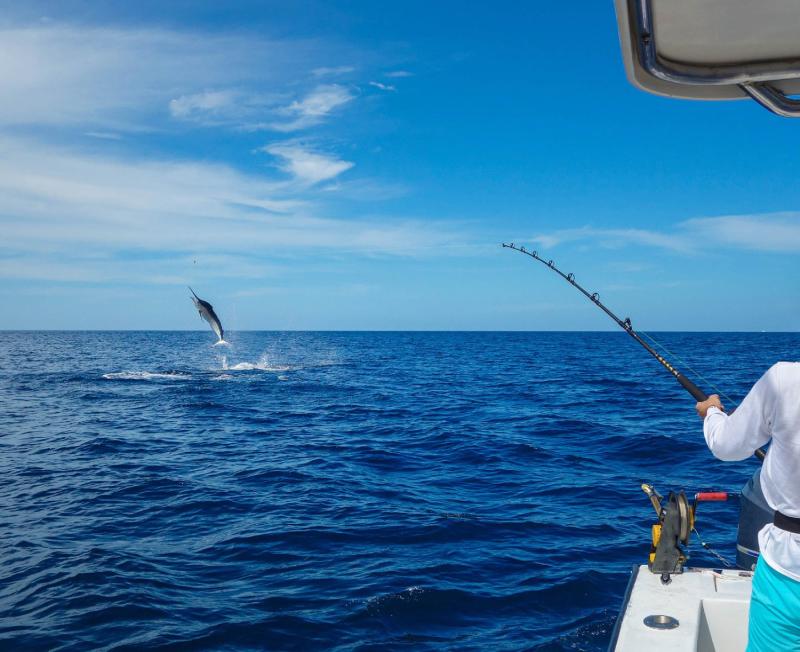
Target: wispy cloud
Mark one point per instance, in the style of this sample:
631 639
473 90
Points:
769 232
103 135
332 71
62 214
312 109
305 164
72 215
397 74
232 108
261 111
207 102
321 101
383 87
365 189
613 238
153 269
124 78
779 232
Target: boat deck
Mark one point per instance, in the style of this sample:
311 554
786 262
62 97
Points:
710 606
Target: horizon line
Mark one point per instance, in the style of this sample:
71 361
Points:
382 330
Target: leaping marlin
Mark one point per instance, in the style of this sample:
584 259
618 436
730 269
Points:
206 311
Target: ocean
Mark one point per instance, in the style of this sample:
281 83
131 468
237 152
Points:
346 491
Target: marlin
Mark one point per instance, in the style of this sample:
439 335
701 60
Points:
206 311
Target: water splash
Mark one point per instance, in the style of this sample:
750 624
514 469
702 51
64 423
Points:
263 364
147 375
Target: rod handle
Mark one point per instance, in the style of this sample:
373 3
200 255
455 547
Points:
697 394
711 496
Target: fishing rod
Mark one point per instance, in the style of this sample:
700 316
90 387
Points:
625 324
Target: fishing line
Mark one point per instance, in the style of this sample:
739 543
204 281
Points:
711 550
686 364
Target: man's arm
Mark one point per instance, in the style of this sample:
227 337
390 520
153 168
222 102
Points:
735 437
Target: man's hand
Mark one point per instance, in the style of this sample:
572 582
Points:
702 408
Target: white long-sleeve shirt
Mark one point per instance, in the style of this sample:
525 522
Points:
770 411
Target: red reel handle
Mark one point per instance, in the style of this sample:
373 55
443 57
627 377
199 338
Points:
709 496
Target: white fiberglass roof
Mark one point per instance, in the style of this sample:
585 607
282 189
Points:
710 49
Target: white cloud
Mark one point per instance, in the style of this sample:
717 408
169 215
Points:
770 232
214 102
155 269
383 87
332 71
103 135
228 108
248 110
67 215
778 232
365 189
307 165
321 101
76 215
612 238
124 78
397 74
313 108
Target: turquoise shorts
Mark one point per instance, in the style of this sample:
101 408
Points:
774 611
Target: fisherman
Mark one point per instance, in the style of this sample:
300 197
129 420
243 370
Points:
771 411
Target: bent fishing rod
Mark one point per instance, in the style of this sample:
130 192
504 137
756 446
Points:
625 324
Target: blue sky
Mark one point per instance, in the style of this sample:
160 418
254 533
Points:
356 165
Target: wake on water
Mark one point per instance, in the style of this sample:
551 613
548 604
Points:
147 375
185 375
262 364
227 363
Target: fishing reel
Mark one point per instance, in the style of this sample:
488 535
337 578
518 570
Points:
675 525
676 522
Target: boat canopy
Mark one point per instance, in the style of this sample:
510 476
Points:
714 49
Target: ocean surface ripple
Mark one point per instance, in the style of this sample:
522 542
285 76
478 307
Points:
345 491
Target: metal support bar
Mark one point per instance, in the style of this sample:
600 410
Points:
773 100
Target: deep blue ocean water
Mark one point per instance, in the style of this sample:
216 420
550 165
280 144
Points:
347 491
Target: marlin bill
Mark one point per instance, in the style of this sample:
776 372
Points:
206 311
